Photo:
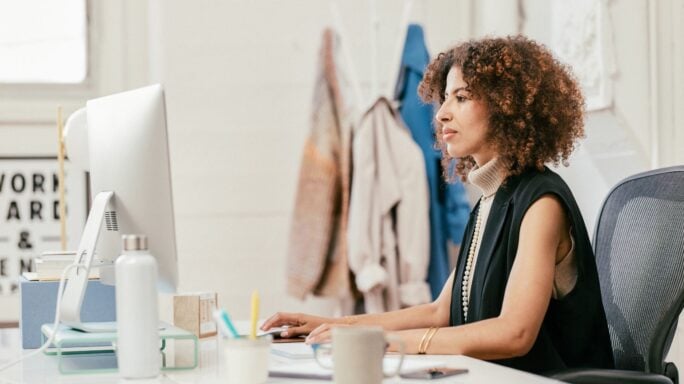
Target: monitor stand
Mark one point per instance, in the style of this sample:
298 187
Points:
77 280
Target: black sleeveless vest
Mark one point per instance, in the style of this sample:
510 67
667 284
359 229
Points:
574 332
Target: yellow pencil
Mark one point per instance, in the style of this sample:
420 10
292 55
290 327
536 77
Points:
255 314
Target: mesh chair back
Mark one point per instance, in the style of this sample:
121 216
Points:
639 246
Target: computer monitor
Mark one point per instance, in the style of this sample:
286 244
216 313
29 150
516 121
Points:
131 189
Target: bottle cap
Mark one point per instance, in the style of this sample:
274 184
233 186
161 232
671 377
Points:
134 242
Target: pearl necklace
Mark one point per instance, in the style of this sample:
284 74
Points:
477 233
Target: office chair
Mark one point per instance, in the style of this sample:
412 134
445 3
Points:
639 248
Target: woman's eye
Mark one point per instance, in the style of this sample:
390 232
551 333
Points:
460 98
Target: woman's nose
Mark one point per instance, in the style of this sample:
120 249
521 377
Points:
443 115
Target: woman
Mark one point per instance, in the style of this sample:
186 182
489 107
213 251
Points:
525 290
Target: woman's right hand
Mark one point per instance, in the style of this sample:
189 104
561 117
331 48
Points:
297 323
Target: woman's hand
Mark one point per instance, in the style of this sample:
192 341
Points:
323 333
297 323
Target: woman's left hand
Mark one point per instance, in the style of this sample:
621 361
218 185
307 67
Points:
323 333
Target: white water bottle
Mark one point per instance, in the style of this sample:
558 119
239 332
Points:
137 311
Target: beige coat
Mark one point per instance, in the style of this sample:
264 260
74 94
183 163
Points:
317 254
389 230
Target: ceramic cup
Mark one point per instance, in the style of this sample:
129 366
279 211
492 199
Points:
357 355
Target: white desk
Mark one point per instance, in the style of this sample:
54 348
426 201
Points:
43 369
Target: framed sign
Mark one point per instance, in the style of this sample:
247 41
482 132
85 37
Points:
29 213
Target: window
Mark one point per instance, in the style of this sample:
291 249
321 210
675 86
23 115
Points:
43 42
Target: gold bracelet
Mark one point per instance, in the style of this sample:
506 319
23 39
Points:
421 350
429 339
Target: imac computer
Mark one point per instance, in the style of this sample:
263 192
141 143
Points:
131 191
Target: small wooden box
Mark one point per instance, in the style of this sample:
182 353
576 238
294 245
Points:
193 312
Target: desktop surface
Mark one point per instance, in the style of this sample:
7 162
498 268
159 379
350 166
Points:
42 368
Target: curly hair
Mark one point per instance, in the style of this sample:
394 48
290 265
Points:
536 108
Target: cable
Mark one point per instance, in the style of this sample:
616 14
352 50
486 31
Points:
49 341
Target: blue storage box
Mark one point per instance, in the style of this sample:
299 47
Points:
38 301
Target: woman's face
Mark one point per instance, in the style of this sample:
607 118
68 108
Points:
465 121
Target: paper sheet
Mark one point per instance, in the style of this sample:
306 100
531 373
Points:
293 351
311 369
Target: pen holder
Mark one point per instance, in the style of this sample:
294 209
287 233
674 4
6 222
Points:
247 360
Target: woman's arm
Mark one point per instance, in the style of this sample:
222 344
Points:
435 314
526 299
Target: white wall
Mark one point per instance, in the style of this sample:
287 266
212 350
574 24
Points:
239 78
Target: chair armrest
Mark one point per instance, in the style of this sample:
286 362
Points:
609 376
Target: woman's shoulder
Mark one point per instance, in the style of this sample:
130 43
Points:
533 179
532 184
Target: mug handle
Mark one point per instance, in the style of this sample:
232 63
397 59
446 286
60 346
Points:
316 349
402 349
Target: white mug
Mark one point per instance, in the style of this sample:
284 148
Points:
357 355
